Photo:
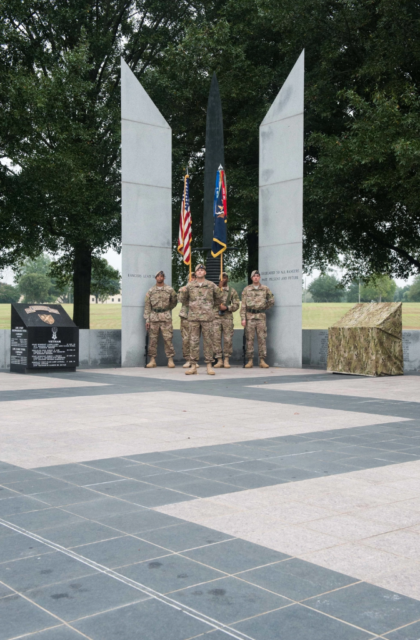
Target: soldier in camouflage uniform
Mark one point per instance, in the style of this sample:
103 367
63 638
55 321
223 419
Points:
223 322
256 299
185 329
160 300
201 297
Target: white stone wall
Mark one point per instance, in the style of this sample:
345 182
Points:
280 218
146 208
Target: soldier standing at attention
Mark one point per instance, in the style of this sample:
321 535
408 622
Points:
256 299
201 297
223 321
185 330
160 300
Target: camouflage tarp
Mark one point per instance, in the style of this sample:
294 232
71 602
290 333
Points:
368 341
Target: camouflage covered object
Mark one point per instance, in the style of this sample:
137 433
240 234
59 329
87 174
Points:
368 341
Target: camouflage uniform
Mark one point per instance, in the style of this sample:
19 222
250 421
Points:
367 341
201 300
157 311
185 329
256 300
224 323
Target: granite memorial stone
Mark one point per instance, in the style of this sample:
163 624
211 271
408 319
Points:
280 218
43 338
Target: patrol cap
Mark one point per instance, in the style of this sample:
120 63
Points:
160 273
255 273
200 266
225 275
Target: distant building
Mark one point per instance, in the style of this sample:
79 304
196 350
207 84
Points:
117 299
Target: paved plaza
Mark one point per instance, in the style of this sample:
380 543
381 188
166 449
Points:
279 504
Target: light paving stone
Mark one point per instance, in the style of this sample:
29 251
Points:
401 543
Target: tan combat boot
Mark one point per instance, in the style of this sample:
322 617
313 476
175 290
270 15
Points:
249 364
219 364
187 365
226 363
171 363
192 370
151 364
263 364
210 371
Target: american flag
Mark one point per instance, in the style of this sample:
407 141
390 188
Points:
185 235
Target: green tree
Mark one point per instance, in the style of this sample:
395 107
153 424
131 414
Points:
60 125
8 293
326 288
380 289
40 265
35 287
106 281
401 293
414 291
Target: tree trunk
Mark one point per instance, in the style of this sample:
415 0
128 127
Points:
82 273
252 242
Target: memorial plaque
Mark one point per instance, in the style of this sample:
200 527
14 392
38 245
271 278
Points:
43 338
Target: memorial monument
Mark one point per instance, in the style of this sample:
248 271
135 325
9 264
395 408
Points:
146 176
280 218
43 338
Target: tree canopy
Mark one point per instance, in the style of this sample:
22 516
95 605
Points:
60 126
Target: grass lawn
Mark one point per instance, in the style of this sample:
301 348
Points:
315 315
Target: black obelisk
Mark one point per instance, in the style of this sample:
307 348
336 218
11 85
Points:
215 156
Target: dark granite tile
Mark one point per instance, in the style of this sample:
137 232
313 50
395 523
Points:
151 458
235 555
39 571
372 608
40 485
141 472
119 552
170 573
92 477
157 497
101 507
141 520
255 466
229 599
18 546
121 486
63 470
299 623
411 632
220 458
184 536
7 478
296 579
38 520
255 480
219 473
18 617
65 497
6 466
156 620
109 464
292 474
77 598
181 464
7 493
79 533
206 488
20 504
57 633
169 479
5 591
